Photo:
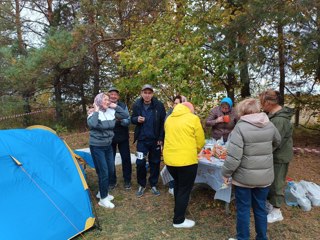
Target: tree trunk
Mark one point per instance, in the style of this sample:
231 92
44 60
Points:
281 62
58 98
243 65
18 27
94 52
297 113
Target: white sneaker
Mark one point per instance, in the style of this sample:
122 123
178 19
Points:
171 191
275 215
186 224
269 207
232 239
106 203
110 197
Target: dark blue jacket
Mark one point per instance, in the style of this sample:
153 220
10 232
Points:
121 129
159 114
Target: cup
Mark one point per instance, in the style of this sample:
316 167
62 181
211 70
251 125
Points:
226 118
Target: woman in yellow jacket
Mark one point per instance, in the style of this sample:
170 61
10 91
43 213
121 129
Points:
184 138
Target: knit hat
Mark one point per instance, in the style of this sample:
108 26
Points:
228 101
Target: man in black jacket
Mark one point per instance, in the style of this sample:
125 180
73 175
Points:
148 114
121 140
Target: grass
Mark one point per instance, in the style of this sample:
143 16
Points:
150 217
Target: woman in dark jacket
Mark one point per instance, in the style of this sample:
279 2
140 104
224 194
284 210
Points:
222 119
250 164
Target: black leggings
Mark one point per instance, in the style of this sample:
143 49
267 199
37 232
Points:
183 182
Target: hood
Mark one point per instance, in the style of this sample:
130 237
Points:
257 119
285 112
179 110
228 101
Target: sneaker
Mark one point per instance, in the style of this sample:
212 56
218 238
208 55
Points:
275 216
112 186
127 185
155 191
232 239
171 191
106 203
269 207
109 197
140 191
186 224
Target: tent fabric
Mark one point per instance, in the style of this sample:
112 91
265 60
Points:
47 196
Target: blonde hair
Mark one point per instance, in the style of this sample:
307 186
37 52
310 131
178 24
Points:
248 106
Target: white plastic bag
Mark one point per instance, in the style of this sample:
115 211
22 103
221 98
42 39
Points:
165 175
313 192
301 194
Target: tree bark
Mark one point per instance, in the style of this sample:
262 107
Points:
243 65
281 62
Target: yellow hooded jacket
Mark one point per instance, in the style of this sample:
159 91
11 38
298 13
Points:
184 137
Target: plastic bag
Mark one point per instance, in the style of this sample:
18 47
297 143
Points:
301 194
165 175
312 192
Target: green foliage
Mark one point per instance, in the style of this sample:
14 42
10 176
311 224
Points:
167 54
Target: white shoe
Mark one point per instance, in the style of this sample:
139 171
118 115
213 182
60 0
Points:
186 224
275 215
171 191
232 239
269 207
106 203
110 197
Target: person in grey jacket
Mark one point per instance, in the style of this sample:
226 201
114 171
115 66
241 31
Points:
250 164
101 123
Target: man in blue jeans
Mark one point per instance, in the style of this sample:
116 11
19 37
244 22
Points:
121 140
148 114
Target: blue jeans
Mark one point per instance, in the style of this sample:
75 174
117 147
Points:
104 164
153 151
245 198
124 150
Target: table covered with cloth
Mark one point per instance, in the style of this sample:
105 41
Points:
209 172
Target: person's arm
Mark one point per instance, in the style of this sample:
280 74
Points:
276 139
120 113
162 112
92 120
135 114
213 118
282 127
126 121
234 153
199 134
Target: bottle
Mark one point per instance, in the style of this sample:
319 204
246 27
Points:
290 199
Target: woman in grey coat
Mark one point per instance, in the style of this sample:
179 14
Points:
250 164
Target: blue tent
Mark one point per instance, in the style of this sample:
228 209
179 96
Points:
44 194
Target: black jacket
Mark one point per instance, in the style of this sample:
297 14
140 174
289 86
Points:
121 129
159 114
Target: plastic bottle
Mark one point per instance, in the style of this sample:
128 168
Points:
290 199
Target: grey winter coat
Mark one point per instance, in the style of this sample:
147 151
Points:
101 125
249 159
